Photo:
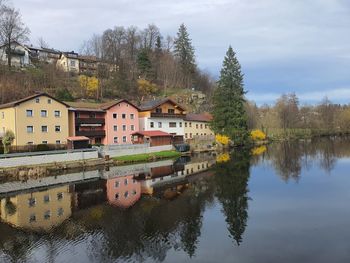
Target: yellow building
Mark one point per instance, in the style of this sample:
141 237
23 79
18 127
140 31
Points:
197 126
38 211
69 62
37 119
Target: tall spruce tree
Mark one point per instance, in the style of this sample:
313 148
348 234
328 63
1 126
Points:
184 52
229 116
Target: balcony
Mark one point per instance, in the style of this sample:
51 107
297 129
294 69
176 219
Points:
101 133
167 115
79 121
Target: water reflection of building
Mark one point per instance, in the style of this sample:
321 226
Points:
172 177
37 210
123 191
87 194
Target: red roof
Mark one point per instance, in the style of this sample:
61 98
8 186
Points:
153 133
204 117
77 138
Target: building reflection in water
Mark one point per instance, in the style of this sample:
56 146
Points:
38 210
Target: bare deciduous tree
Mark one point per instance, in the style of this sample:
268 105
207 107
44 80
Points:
12 29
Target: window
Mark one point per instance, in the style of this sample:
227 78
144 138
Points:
152 124
132 116
206 126
125 181
132 127
116 184
46 198
57 113
59 196
124 138
57 128
32 218
115 139
201 126
171 111
172 124
133 180
29 113
123 116
185 124
190 135
180 123
159 124
58 142
30 143
60 211
31 202
158 110
43 113
115 128
47 215
115 115
190 124
186 135
3 115
72 63
43 128
49 101
116 196
126 194
30 129
37 100
196 126
124 127
44 142
92 115
134 192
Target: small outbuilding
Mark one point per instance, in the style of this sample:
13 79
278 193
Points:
154 138
78 142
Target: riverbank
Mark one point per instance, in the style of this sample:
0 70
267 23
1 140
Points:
292 134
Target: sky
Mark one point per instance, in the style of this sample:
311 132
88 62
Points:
284 46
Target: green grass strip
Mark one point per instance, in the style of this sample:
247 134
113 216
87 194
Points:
144 157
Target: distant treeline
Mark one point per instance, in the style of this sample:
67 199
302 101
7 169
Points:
287 116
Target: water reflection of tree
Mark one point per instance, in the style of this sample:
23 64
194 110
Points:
232 191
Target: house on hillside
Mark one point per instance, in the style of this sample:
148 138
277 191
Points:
44 55
164 115
69 62
20 55
37 119
88 65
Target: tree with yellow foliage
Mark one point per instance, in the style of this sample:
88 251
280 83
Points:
146 88
89 86
257 135
222 139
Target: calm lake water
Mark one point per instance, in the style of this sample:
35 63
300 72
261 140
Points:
288 202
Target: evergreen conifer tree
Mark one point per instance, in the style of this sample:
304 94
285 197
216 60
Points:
229 116
184 52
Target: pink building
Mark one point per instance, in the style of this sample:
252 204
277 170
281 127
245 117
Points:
123 191
121 120
108 123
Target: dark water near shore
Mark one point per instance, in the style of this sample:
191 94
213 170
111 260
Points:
287 202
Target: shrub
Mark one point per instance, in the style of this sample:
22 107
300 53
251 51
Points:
259 150
42 148
257 135
222 139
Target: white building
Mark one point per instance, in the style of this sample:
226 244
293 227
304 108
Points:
162 115
19 55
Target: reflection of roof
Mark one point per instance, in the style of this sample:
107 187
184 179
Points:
153 133
77 138
150 105
17 102
204 117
